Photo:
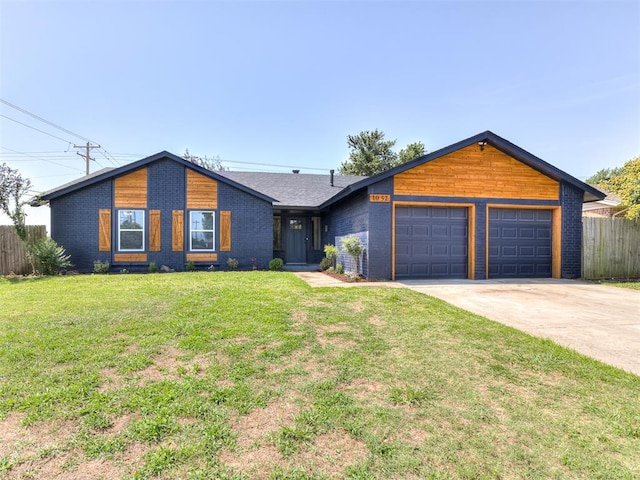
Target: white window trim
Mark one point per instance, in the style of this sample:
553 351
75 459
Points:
144 228
213 231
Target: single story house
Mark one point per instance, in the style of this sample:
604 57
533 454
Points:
608 207
480 208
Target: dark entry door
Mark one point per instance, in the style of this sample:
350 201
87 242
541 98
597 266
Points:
296 240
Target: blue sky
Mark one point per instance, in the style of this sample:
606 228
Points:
284 82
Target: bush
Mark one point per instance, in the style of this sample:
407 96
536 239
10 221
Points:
354 247
326 264
190 266
276 264
100 267
339 269
50 257
153 268
232 263
331 252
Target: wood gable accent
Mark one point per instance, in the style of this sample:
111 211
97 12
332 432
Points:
131 190
202 191
177 231
154 230
472 172
104 230
225 231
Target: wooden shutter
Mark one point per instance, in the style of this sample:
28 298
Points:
154 230
104 229
225 231
177 231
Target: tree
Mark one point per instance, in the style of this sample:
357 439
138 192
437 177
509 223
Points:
213 163
370 154
410 152
624 182
13 189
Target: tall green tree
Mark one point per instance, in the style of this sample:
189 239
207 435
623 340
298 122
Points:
624 182
370 154
13 191
210 163
410 152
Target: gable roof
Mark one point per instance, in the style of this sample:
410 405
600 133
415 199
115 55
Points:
590 193
295 190
108 173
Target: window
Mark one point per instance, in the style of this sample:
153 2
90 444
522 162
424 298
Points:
201 233
277 230
131 230
317 233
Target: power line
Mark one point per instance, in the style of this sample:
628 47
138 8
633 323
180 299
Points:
26 112
41 159
36 129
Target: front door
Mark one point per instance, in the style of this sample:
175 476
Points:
296 240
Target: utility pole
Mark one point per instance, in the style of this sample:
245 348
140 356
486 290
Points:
86 156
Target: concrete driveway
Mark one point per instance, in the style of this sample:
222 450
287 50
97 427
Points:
600 321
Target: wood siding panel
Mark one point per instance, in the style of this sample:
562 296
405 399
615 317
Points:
177 231
131 190
471 172
130 257
202 192
154 231
202 257
104 230
225 231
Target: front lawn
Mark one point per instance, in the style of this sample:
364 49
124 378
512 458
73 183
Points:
256 375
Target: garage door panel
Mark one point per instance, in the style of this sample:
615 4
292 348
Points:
431 242
519 243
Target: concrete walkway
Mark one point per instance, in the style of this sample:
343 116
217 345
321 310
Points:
600 321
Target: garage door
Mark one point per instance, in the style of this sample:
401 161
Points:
519 243
431 242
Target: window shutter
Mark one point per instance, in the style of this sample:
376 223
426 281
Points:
225 231
104 230
154 230
177 231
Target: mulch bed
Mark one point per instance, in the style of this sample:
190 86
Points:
344 278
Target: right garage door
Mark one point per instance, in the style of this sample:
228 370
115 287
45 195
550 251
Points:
519 243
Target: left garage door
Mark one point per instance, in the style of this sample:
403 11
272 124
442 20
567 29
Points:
431 242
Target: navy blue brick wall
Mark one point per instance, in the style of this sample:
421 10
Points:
481 239
380 232
74 224
251 228
166 187
351 216
571 199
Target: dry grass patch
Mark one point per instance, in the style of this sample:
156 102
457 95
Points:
331 453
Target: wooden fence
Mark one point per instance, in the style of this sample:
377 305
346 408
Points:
13 254
610 248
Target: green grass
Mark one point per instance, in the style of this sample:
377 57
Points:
256 375
632 285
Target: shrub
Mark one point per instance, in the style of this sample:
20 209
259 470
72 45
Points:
153 268
100 267
124 271
331 252
276 264
190 266
339 269
326 264
354 247
232 263
50 257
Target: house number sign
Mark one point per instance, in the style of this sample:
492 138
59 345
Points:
377 198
